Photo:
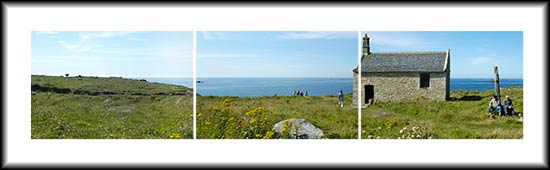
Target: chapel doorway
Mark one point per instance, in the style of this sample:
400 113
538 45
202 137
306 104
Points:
369 93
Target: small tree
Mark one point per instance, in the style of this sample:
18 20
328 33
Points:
67 75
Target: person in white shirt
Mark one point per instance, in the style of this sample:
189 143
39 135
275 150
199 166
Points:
494 105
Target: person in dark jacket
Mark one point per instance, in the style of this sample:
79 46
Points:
508 106
341 99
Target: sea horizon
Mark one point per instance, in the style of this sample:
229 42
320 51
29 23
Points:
285 86
271 86
317 86
143 77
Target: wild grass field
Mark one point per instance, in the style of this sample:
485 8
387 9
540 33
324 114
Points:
109 108
464 117
254 117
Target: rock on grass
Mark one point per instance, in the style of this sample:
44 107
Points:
299 128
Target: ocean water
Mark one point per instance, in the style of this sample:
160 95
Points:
252 87
482 84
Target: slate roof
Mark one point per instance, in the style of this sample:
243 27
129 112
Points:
404 62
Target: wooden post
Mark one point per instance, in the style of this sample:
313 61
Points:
497 85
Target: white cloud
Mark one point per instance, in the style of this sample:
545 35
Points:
84 37
399 40
67 60
85 49
287 35
224 56
483 60
70 46
136 39
210 35
165 53
45 32
317 35
104 34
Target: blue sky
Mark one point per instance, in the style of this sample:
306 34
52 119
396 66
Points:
126 54
473 54
262 54
276 54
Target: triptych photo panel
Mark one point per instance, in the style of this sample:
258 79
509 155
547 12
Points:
263 85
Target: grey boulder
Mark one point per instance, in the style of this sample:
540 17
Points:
298 128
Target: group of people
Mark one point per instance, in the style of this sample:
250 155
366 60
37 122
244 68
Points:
304 93
299 93
508 108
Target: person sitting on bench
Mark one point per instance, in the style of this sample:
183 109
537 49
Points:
508 106
494 105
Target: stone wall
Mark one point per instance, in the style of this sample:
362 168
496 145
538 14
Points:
404 86
355 92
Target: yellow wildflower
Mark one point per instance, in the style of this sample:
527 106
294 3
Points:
285 127
226 102
214 108
225 110
252 121
250 113
175 136
260 110
268 135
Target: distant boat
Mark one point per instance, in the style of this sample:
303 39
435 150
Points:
200 81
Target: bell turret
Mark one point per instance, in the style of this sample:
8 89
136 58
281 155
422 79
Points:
366 45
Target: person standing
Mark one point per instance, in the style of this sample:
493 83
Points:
341 99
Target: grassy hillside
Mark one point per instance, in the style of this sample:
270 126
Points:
114 85
123 108
464 117
241 118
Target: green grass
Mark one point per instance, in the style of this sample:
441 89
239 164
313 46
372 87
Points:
109 84
241 118
464 117
145 110
77 116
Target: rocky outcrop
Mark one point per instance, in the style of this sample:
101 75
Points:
36 87
298 129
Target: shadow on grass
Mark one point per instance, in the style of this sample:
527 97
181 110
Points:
467 98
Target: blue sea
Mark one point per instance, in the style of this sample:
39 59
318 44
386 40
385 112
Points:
482 84
252 87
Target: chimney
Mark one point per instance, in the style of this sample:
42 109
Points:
366 45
